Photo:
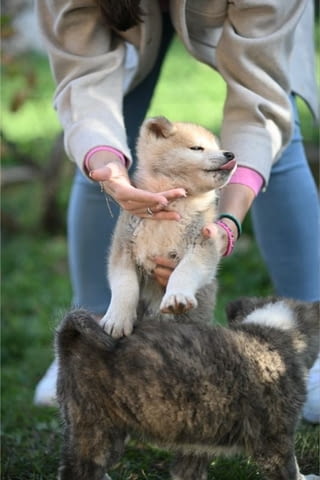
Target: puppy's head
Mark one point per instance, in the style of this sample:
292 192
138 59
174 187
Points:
181 155
300 319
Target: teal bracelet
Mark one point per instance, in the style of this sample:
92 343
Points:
234 220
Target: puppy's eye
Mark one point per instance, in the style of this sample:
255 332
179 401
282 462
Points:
197 147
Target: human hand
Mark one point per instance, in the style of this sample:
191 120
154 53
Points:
164 266
214 230
115 180
163 269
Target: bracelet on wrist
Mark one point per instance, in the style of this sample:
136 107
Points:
101 148
234 220
230 238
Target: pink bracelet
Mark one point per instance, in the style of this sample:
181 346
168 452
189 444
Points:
100 149
230 237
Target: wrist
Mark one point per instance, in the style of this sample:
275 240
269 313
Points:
101 156
233 223
236 199
229 237
232 230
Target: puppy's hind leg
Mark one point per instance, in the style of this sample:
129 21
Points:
189 467
85 457
279 465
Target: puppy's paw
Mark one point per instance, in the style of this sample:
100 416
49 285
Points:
177 303
116 325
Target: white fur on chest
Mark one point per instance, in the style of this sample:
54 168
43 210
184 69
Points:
169 238
151 238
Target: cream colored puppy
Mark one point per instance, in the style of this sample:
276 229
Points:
170 155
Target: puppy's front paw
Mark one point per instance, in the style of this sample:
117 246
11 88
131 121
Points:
116 325
177 303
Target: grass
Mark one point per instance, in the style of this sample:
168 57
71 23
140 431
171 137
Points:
36 290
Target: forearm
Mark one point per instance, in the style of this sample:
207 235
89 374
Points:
236 200
100 156
253 56
87 63
237 197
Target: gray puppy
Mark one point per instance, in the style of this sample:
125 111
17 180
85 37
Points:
196 389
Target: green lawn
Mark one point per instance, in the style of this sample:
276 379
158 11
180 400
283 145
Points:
36 289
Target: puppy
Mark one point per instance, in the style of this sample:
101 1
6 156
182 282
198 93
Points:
193 388
170 155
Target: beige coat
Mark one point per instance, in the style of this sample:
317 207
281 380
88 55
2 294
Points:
248 41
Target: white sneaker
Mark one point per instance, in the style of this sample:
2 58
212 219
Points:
311 409
45 393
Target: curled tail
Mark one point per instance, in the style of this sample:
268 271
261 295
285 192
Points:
79 327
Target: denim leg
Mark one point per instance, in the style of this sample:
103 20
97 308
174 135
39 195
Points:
90 224
287 225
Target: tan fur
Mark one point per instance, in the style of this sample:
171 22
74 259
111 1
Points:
170 155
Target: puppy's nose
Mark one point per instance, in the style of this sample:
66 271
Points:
228 155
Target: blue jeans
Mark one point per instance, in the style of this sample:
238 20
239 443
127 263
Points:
286 223
285 217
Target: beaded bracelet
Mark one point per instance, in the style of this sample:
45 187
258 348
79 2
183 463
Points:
230 238
234 220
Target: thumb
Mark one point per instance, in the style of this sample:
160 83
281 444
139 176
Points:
210 230
101 174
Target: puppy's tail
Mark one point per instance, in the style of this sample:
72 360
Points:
79 327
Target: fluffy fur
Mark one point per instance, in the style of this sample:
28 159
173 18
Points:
170 155
195 389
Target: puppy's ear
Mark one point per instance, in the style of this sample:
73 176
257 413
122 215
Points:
160 127
237 310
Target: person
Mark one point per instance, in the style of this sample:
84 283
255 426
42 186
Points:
106 58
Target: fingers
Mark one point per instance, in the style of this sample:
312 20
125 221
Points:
101 174
174 193
154 214
137 201
162 278
212 230
164 262
163 269
166 215
115 180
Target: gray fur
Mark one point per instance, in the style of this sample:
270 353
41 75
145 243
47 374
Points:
196 389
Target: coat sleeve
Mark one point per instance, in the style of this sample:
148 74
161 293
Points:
253 55
87 61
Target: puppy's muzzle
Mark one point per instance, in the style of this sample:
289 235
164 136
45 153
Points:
230 161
